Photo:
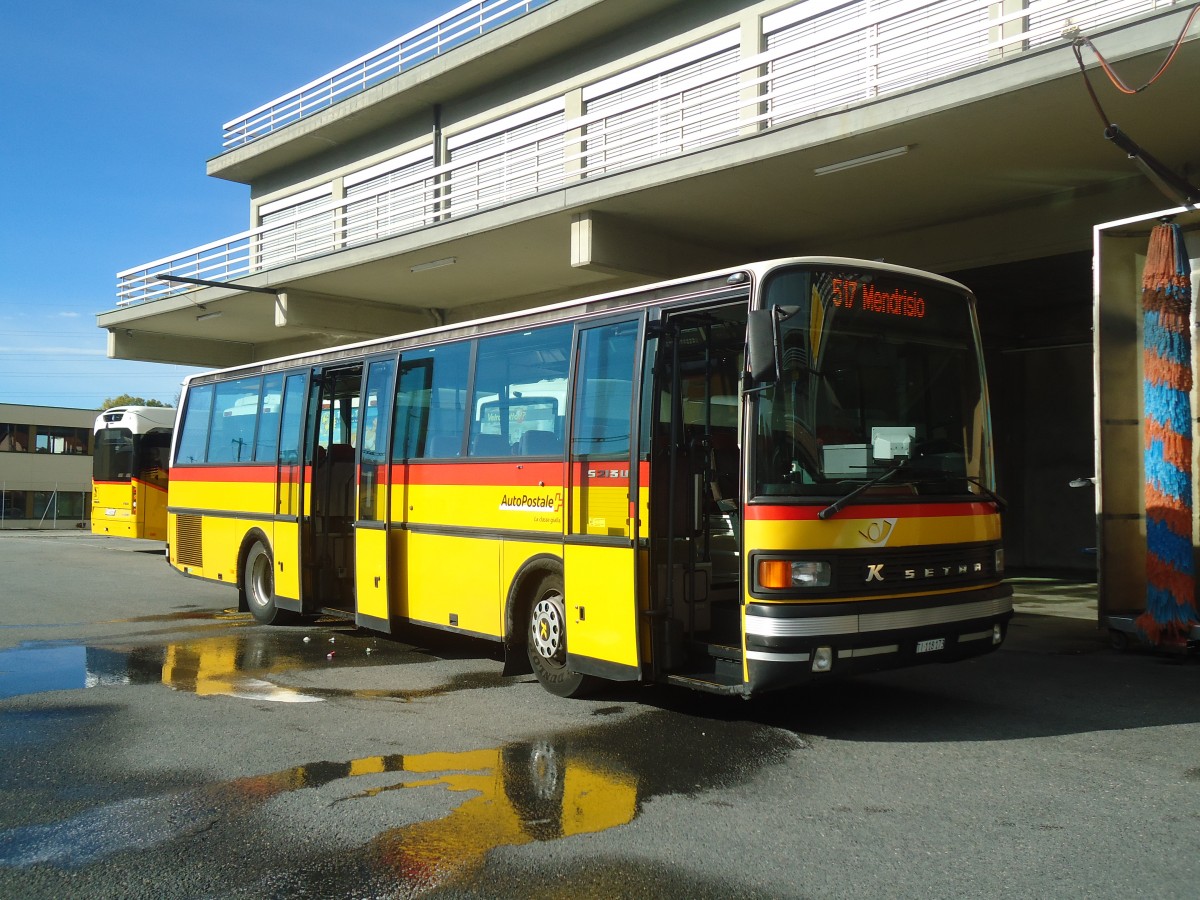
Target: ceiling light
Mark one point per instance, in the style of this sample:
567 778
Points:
208 315
862 160
435 264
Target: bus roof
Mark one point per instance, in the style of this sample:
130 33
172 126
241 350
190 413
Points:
701 283
138 419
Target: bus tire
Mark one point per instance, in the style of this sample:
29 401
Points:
258 584
546 641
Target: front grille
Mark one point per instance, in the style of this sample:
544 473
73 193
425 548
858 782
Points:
189 548
902 570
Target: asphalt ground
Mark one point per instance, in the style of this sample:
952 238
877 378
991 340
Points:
154 742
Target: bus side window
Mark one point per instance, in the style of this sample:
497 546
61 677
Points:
430 402
234 415
194 430
291 416
266 441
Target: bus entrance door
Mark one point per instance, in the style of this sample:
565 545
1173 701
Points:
371 525
328 547
695 497
600 561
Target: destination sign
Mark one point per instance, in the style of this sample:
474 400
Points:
872 298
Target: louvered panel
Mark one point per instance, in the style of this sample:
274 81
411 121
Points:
828 69
373 211
297 233
1049 18
641 128
188 545
508 165
922 44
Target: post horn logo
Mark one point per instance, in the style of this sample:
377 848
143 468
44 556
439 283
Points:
879 531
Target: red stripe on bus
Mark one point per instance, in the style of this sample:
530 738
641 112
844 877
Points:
874 511
511 472
251 474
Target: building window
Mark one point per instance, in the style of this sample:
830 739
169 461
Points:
51 505
57 439
12 505
14 438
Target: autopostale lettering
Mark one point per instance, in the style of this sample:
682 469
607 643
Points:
516 501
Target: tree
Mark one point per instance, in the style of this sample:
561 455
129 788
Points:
130 400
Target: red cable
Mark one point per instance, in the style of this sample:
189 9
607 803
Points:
1116 79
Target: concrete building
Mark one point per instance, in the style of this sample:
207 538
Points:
45 466
577 146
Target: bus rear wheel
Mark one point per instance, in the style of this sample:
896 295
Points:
546 642
258 581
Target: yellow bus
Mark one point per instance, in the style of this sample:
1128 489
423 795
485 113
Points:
130 467
735 482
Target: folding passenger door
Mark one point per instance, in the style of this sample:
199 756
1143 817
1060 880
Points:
602 527
289 489
371 526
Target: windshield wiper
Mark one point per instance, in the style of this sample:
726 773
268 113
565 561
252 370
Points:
836 506
1001 503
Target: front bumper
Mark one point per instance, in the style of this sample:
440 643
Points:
783 640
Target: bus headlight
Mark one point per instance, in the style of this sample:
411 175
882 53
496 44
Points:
783 574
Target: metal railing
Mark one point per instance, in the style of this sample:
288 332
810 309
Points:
456 27
819 65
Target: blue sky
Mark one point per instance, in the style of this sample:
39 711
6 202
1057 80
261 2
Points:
108 114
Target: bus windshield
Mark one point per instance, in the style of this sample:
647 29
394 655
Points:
878 372
113 459
121 455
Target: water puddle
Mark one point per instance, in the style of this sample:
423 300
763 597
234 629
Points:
238 664
567 784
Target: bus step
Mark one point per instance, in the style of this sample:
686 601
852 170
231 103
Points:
709 682
717 651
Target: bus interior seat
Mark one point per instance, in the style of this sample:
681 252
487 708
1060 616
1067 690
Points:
536 442
443 445
490 445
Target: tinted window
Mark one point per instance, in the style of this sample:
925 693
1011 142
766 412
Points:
193 433
235 411
266 443
604 390
292 416
431 397
519 394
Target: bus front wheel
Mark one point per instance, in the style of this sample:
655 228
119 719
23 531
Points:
547 641
258 581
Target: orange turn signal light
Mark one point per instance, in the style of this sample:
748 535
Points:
775 573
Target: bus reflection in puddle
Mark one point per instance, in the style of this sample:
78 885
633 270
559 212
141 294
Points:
217 667
574 783
235 665
516 794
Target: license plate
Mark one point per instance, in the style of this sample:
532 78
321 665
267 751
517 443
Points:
930 645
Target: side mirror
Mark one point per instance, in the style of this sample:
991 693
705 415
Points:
762 346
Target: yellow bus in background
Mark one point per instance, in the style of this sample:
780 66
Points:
734 482
130 470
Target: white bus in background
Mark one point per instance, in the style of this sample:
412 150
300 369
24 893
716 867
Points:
129 471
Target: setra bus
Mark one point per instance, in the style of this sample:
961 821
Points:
129 471
736 482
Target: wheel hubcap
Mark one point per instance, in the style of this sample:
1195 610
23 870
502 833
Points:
547 628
